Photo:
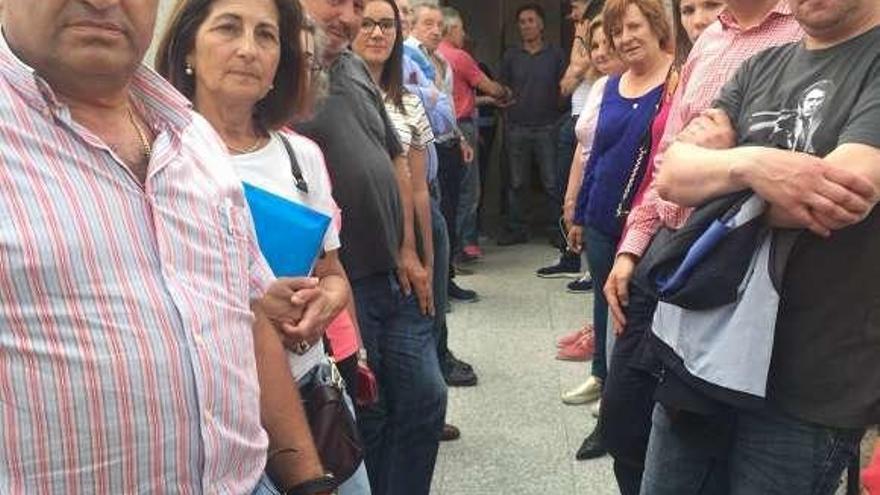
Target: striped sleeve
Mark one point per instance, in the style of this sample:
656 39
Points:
401 125
422 135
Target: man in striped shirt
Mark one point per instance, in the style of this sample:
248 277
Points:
136 313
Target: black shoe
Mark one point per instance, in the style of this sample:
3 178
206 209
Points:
463 295
457 375
592 447
450 433
580 286
460 270
507 238
451 360
568 266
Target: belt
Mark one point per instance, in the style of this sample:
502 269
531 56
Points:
451 142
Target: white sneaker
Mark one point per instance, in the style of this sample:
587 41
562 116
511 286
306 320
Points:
584 393
596 408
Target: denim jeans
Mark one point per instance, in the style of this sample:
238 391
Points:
441 272
600 257
469 195
402 431
768 453
628 396
528 146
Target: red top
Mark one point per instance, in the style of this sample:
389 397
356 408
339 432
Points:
466 74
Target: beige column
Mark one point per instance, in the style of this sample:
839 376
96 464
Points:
165 8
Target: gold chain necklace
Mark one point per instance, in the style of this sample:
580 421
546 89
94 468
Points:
245 151
142 135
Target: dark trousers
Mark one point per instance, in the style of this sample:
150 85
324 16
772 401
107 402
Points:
565 147
402 431
528 146
449 174
628 397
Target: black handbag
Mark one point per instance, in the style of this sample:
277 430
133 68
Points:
332 424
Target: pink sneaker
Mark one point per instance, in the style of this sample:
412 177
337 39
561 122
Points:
572 337
871 475
472 251
580 350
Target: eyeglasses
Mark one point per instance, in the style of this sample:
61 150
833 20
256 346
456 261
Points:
385 25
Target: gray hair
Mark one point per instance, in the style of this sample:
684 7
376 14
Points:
418 6
320 79
451 17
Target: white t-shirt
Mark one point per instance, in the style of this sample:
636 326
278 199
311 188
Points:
269 168
589 116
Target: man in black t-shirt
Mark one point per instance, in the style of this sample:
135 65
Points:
390 286
807 121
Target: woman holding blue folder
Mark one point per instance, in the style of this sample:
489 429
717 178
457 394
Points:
242 65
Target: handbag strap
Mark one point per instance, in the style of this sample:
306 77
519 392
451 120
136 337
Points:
298 178
640 166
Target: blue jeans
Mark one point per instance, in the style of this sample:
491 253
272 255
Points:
469 195
356 485
768 453
402 431
600 258
528 146
441 271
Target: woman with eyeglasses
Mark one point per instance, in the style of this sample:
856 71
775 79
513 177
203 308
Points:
242 64
380 45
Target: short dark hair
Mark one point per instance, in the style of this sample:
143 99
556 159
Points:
537 9
289 91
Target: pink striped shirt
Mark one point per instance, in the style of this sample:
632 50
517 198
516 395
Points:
716 56
126 352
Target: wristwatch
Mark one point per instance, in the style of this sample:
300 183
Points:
324 484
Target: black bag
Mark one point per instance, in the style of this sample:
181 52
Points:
716 280
332 424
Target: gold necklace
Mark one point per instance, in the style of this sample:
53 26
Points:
142 135
249 149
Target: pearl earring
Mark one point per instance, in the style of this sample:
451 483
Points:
188 69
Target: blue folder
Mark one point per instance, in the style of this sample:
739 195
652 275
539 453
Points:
291 235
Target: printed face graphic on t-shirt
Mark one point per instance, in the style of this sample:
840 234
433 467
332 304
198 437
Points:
794 128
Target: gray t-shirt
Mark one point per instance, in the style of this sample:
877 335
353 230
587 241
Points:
358 140
827 348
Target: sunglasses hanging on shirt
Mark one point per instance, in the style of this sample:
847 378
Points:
298 178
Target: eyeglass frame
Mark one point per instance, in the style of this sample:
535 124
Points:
368 25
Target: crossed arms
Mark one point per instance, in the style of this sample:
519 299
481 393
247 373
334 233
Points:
804 191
